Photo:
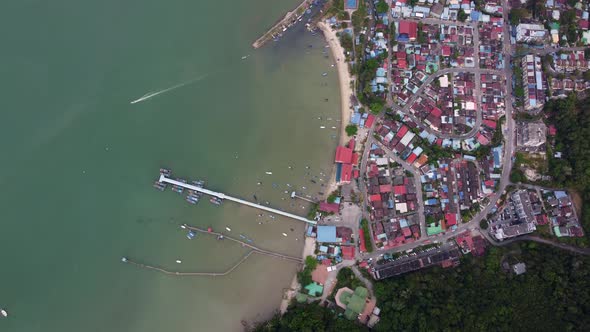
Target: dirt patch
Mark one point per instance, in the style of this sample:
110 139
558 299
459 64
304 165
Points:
577 199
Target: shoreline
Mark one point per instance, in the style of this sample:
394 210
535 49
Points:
345 93
308 249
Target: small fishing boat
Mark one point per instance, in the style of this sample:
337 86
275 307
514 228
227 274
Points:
178 261
3 313
183 226
191 201
228 229
324 74
322 127
198 183
191 235
215 200
243 236
160 186
165 171
245 57
177 189
220 237
285 234
269 173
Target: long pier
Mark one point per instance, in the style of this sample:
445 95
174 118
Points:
165 179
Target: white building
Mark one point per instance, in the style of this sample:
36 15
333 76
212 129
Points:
530 33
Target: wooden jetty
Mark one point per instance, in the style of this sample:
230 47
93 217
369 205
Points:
282 24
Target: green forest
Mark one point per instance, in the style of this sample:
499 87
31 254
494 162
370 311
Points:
479 295
572 121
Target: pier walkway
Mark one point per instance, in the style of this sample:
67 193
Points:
165 179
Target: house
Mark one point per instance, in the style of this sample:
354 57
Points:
408 31
326 234
519 268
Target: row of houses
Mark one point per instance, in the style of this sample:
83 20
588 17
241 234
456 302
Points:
526 210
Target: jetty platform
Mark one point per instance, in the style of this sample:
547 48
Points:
282 24
165 179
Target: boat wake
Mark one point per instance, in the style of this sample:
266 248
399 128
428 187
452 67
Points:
153 94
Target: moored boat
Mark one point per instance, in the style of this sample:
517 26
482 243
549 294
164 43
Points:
159 185
3 313
165 171
191 235
216 200
228 229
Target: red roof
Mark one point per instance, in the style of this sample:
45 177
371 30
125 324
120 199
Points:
399 190
489 123
384 188
362 248
436 111
402 131
584 24
355 174
408 28
369 121
351 144
451 219
355 158
329 207
446 50
375 198
347 252
346 175
402 64
552 130
343 155
489 183
406 231
326 262
482 139
411 158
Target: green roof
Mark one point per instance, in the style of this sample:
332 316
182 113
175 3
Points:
554 25
355 303
432 229
557 231
314 289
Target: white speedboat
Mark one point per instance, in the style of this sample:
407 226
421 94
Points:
3 313
228 229
178 261
269 173
284 234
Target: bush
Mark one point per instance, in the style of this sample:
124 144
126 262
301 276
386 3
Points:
367 235
351 130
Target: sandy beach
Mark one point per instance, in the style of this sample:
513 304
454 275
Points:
346 92
308 250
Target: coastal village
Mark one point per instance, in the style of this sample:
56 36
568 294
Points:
446 141
443 144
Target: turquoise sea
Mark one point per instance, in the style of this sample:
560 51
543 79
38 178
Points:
78 160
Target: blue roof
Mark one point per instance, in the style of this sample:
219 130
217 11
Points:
327 234
356 118
559 194
351 4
